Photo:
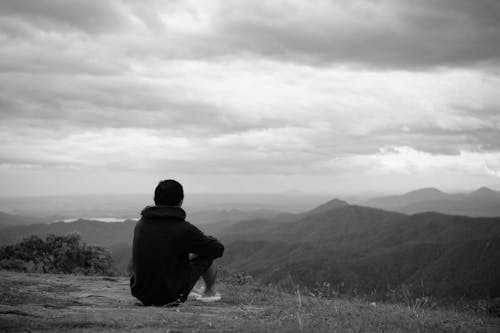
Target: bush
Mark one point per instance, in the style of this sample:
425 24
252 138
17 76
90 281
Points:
13 265
56 254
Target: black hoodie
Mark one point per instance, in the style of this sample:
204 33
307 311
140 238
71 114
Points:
160 255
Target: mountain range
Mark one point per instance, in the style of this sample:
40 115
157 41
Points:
92 232
362 249
9 220
481 202
353 249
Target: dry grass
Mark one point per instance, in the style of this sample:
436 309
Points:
55 303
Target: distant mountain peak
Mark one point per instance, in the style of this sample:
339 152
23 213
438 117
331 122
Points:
330 205
485 192
482 202
422 194
426 190
426 193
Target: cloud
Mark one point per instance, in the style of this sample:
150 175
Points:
243 116
91 16
410 161
380 34
247 88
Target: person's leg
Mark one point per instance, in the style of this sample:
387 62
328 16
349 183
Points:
202 267
210 277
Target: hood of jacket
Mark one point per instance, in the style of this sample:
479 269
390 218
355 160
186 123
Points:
164 213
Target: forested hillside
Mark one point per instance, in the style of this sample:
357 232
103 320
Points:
357 249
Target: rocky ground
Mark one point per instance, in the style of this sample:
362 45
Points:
72 303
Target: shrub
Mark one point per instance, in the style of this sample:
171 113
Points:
56 254
13 265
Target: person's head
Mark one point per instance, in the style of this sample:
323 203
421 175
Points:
169 192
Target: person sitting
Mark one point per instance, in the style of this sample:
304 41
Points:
170 254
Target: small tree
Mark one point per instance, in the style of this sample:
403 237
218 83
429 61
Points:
56 254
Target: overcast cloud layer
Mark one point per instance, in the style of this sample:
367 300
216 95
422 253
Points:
317 96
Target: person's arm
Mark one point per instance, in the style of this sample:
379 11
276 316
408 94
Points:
202 245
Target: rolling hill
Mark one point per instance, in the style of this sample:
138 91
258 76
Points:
358 249
230 215
482 202
8 220
92 232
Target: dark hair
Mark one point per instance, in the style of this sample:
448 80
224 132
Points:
169 192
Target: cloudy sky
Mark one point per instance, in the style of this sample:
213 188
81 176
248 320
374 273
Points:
248 96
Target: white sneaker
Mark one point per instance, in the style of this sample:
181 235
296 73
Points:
209 299
193 295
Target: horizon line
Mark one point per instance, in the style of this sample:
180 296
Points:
290 193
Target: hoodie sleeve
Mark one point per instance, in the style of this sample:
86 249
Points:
203 245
